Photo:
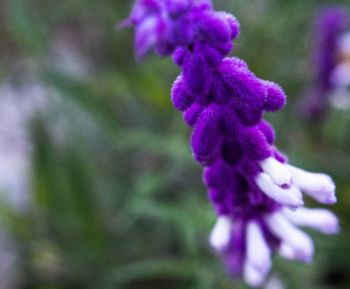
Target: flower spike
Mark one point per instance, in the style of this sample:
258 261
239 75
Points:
256 194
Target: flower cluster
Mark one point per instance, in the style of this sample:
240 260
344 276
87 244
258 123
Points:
255 192
331 54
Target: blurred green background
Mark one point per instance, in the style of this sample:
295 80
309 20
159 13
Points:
113 198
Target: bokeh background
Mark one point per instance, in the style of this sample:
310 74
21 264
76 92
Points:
98 188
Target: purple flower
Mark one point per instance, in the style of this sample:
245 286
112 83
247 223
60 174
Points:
257 195
330 23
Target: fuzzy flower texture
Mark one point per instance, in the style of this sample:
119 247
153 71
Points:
257 195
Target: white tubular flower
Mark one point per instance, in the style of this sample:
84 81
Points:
221 234
278 172
258 251
274 283
318 186
297 242
341 75
290 197
252 276
287 252
319 219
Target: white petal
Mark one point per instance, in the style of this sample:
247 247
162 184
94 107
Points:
341 75
344 43
319 219
301 243
221 233
290 197
253 277
318 186
279 173
258 251
274 283
287 252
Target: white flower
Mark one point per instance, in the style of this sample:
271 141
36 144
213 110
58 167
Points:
295 243
252 276
258 251
274 283
284 184
287 252
277 171
221 233
318 186
290 197
319 219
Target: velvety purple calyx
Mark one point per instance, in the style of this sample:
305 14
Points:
180 96
220 92
234 256
177 8
275 97
179 55
268 131
216 133
228 189
192 114
214 30
212 56
207 137
230 124
231 152
247 91
198 76
232 22
255 144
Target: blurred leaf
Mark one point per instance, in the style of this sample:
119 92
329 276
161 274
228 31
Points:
29 36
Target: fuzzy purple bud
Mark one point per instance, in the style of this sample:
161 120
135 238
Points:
180 97
268 131
192 114
198 75
206 136
276 98
255 144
